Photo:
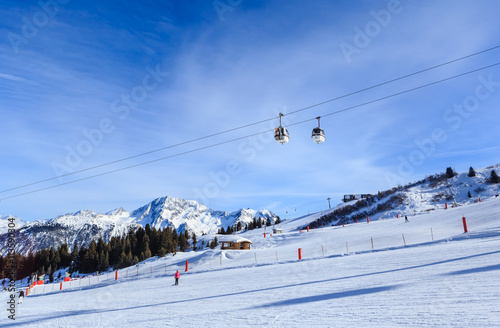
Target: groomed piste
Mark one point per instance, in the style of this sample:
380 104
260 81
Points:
426 272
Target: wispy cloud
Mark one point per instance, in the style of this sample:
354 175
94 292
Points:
17 79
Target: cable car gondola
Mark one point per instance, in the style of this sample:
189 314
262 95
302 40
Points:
318 135
281 133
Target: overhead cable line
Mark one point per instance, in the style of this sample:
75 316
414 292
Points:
396 94
255 134
252 124
391 81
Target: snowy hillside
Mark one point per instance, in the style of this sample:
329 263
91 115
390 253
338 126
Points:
387 273
430 194
84 226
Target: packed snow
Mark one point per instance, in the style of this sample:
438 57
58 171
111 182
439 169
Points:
385 273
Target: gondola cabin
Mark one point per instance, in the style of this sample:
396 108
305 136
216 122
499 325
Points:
281 133
235 242
318 135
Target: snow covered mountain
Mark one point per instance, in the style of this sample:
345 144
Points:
84 226
191 215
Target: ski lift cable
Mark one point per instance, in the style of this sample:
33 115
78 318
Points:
251 124
393 80
224 142
244 126
136 165
396 94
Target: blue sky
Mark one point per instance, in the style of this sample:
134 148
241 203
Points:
84 83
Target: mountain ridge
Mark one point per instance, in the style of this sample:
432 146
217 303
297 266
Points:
83 226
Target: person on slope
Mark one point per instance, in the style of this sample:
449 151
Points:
21 297
406 219
177 276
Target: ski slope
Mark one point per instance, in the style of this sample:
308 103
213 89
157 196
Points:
443 278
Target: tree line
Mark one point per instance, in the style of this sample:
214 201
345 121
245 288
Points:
254 224
119 252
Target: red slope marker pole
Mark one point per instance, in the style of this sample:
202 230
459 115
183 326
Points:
464 221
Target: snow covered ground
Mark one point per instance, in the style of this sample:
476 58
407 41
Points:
441 278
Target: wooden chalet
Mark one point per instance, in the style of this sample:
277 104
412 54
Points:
235 242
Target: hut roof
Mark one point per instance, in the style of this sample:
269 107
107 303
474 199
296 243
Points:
234 239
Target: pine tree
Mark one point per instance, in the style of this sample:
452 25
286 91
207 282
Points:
90 260
194 241
494 177
144 245
56 260
162 252
103 263
450 173
125 260
182 242
147 253
135 259
100 245
214 243
472 173
268 222
154 241
468 194
74 252
163 243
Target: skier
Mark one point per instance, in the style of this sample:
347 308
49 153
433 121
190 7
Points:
406 219
177 276
21 297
